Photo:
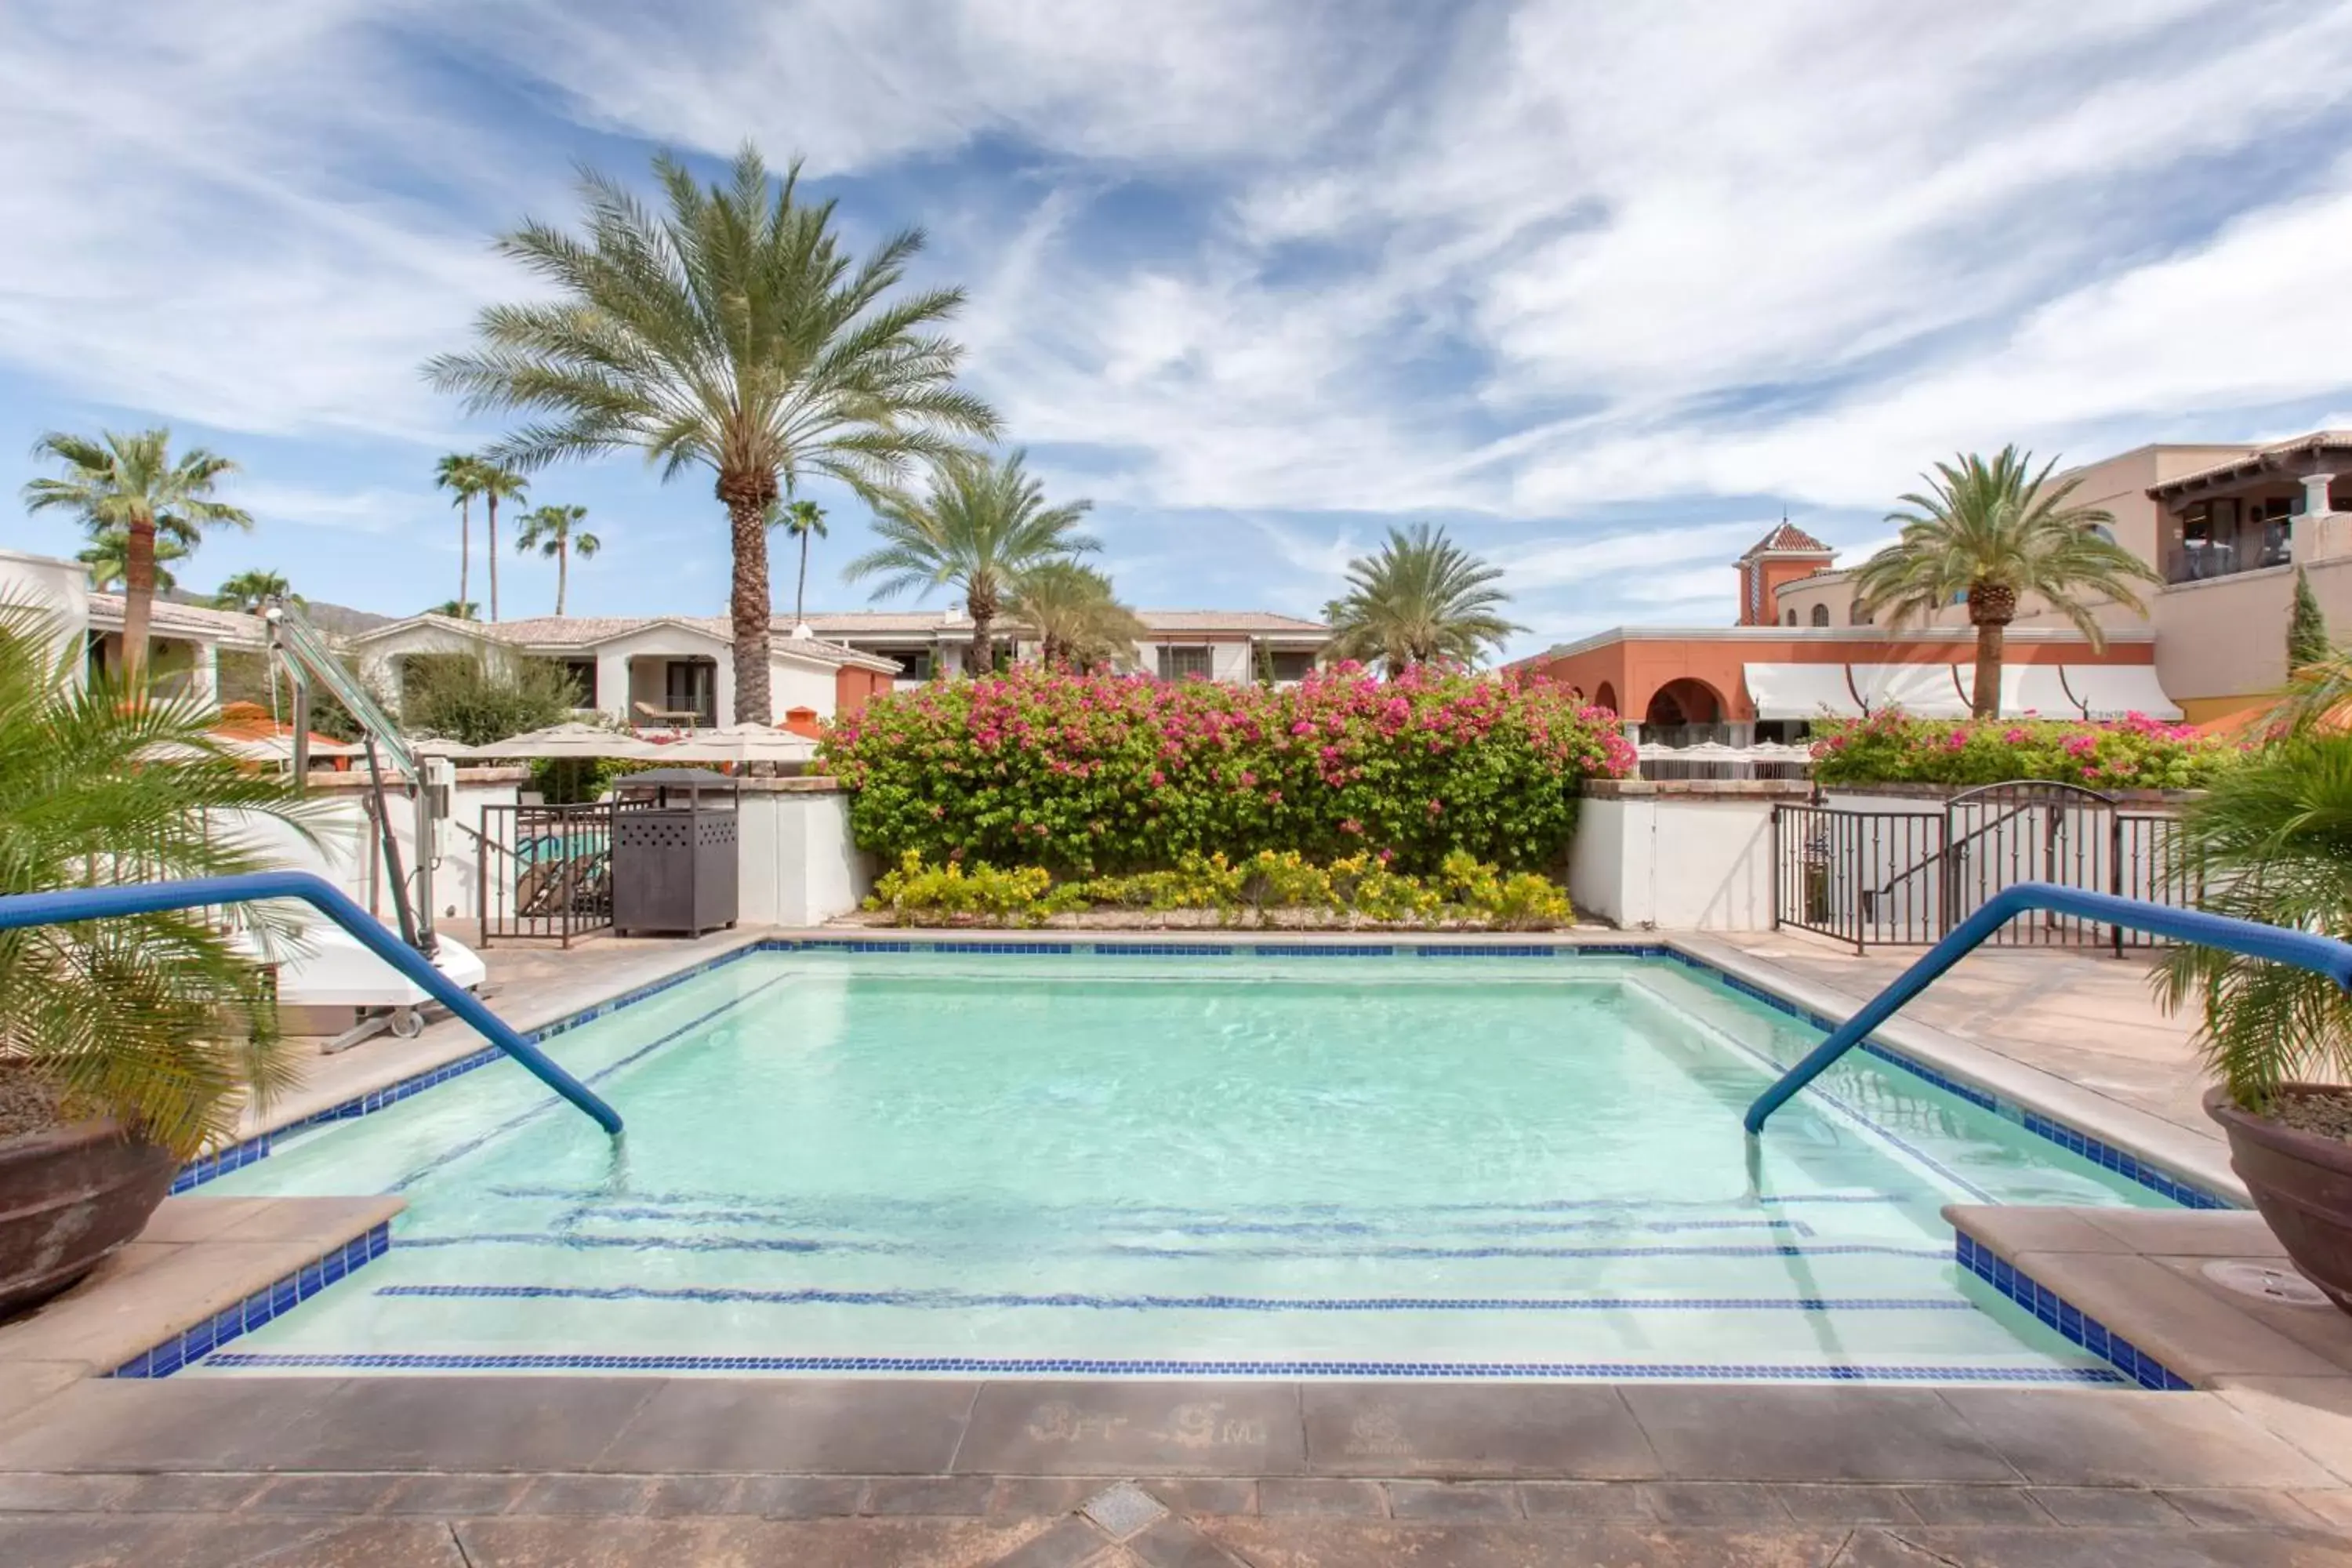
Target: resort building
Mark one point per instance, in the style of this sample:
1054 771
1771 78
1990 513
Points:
664 669
185 642
1212 645
2225 526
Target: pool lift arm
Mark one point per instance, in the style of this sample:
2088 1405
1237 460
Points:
2304 950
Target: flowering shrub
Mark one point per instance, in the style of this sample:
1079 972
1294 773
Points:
1464 891
2139 752
1102 774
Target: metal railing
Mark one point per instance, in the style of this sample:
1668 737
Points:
2320 954
71 904
1905 878
546 870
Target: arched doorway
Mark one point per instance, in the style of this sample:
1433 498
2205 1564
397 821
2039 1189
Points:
1684 702
1606 697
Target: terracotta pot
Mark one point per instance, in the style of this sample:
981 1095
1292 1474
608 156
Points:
2302 1183
69 1197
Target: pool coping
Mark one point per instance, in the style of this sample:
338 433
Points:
2144 1148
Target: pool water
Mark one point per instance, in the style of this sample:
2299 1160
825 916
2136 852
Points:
1404 1165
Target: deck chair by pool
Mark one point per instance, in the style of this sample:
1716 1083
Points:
675 718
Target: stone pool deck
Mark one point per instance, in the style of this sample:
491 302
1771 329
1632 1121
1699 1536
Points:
487 1472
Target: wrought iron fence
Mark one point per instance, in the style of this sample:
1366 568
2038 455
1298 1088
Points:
546 871
1896 877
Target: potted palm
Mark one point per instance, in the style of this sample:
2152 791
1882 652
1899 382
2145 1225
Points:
126 1046
2272 840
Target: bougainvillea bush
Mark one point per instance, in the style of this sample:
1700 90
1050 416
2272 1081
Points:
2138 753
1091 776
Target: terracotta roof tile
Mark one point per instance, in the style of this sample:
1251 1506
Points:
1787 537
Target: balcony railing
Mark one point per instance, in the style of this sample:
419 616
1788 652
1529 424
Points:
2201 560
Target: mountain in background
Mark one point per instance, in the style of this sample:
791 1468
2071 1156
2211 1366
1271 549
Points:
335 620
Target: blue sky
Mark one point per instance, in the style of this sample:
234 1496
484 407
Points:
1603 288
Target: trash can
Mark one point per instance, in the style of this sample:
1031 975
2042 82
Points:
674 852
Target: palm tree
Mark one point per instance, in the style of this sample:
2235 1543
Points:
109 560
252 590
554 530
1421 599
732 331
132 484
802 520
498 481
2272 840
458 610
159 1020
460 473
1990 533
1078 618
980 527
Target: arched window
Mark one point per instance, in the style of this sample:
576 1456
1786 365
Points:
1791 617
1821 615
1858 615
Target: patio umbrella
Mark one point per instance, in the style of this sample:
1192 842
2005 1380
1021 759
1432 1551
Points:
735 743
569 738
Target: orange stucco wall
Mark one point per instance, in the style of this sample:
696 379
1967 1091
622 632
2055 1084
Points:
852 689
1635 669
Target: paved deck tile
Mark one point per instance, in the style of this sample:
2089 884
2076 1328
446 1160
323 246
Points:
1534 1430
2131 1438
832 1426
1774 1434
1134 1428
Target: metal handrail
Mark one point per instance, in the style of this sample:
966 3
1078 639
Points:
69 904
2320 954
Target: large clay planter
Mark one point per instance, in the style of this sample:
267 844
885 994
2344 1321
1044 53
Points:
70 1196
2302 1185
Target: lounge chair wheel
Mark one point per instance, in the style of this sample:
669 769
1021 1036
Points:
407 1022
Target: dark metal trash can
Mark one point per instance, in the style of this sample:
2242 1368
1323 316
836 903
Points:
674 852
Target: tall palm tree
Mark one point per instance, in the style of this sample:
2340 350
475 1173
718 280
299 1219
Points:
1077 616
1421 599
251 591
802 520
109 560
555 532
460 473
132 483
499 482
161 1020
732 331
1990 533
979 528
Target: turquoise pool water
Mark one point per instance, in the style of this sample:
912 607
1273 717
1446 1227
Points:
933 1162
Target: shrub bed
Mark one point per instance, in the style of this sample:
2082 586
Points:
1099 775
2138 752
1357 890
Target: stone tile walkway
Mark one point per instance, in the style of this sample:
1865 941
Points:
2091 1019
477 1472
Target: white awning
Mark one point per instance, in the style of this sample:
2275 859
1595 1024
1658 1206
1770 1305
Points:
1801 691
2027 691
2112 690
1923 691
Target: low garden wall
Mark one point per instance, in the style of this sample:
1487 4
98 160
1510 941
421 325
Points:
1678 855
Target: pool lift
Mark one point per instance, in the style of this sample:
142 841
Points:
338 972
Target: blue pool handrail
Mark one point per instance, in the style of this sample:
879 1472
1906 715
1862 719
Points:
2320 954
69 904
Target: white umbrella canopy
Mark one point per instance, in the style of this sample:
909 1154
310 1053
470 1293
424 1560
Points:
571 739
735 743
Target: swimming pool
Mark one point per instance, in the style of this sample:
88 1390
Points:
1141 1163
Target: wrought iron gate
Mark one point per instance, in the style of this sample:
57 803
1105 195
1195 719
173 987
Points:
1906 877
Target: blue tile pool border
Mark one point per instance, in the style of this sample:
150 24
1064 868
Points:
2088 1146
2056 1312
998 1367
273 1300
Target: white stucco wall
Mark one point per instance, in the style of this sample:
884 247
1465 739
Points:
1674 861
61 587
797 683
799 866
